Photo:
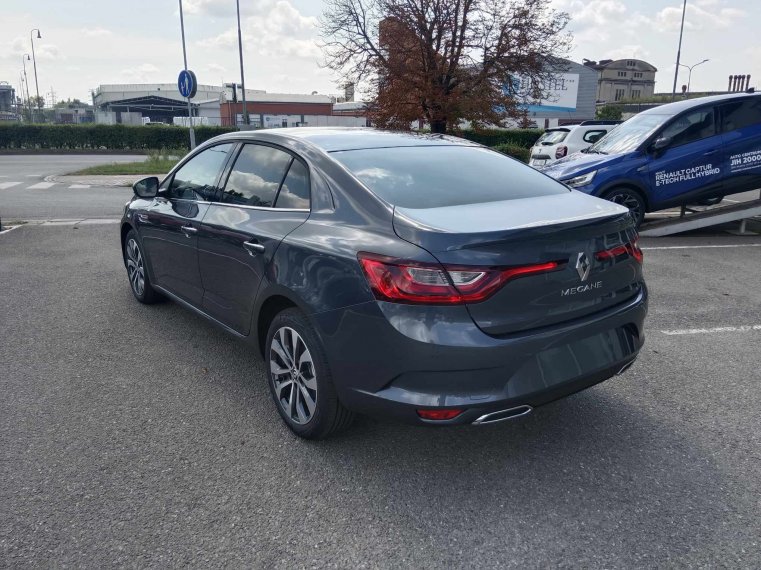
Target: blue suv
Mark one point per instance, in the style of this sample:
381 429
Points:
697 150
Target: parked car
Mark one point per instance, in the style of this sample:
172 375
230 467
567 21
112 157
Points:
559 142
697 150
392 274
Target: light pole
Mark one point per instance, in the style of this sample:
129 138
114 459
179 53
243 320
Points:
242 78
679 51
24 59
34 61
185 61
689 76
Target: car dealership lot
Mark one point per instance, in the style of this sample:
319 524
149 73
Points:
144 436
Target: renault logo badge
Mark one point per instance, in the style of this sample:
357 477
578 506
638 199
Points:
583 266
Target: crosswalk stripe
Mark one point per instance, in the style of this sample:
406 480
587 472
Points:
41 186
6 185
74 186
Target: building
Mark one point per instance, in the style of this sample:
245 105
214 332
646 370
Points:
8 103
623 79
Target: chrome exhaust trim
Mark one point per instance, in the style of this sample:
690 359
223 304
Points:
503 415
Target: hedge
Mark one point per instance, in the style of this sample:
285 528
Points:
121 137
524 138
519 152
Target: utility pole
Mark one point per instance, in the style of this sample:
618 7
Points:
242 75
34 61
24 59
679 51
185 62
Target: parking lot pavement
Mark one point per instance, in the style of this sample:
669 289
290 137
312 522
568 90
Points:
143 436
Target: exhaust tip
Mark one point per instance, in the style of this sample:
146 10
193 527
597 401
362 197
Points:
503 415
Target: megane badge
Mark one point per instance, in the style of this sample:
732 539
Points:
583 266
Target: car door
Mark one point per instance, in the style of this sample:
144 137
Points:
169 225
690 167
741 133
266 196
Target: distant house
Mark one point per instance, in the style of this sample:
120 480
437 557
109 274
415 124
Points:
623 79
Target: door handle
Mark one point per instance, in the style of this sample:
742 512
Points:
253 248
189 230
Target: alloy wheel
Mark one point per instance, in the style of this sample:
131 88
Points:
293 375
135 269
629 201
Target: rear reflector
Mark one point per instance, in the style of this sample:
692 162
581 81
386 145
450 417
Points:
404 281
439 415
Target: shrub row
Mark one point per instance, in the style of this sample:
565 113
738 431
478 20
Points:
492 137
519 152
122 137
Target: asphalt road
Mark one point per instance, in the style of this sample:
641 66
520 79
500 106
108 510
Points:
25 195
143 436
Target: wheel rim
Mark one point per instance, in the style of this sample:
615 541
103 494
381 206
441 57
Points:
293 375
630 201
135 268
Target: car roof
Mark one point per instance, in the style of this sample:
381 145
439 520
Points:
332 139
677 107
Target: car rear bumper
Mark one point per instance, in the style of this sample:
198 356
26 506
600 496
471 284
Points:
391 360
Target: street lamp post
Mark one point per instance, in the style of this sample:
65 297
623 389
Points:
689 76
242 78
24 59
34 61
679 51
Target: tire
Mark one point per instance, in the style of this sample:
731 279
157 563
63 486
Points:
303 392
134 261
630 198
710 201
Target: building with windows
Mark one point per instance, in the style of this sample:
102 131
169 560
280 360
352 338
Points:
623 79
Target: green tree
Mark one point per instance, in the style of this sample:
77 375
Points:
609 113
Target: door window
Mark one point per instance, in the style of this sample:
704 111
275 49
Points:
741 114
256 176
295 190
594 136
197 178
691 127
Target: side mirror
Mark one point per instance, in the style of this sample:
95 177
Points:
661 143
146 188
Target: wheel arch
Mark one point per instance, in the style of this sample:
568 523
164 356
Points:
268 310
629 185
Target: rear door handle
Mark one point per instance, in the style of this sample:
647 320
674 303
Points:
189 230
253 248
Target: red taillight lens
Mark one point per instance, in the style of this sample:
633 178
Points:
561 151
632 248
415 282
439 414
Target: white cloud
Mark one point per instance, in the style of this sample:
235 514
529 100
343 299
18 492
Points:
627 51
48 52
143 73
698 17
95 32
216 68
591 13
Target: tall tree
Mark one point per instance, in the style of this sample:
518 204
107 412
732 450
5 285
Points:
444 61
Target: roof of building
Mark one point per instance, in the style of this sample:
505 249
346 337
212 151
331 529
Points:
615 64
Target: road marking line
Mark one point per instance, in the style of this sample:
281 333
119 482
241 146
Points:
9 229
41 186
741 328
701 246
34 175
6 185
74 186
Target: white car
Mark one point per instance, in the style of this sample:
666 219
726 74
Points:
560 142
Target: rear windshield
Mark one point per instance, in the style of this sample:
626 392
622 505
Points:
436 176
552 137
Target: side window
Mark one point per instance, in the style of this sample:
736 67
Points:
741 114
196 179
256 176
295 190
594 136
691 127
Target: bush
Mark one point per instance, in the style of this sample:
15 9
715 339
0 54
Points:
519 152
609 113
524 138
118 137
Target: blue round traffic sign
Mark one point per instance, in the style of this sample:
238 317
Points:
187 84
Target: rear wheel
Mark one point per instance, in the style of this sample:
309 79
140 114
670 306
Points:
631 199
299 378
139 281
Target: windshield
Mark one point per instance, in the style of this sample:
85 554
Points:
629 135
437 176
552 137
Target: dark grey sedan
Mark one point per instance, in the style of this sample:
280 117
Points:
423 278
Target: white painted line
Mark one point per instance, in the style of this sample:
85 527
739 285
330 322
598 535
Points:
701 246
8 229
98 221
741 328
34 175
75 186
6 185
41 186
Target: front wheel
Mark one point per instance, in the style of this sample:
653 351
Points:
134 260
299 378
630 199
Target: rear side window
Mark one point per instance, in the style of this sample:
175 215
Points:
436 176
741 114
691 127
197 178
593 136
552 137
256 176
294 193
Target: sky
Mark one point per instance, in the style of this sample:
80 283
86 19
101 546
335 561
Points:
86 43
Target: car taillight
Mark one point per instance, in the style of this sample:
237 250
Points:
632 248
404 281
439 415
561 151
